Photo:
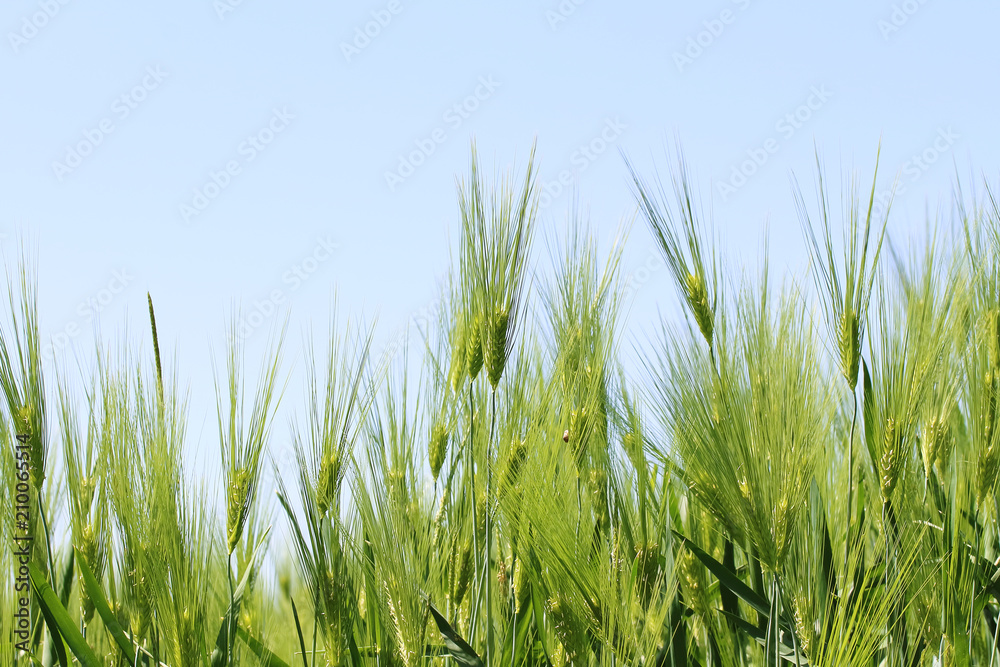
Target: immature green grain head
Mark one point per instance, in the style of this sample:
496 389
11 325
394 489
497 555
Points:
497 228
497 347
569 628
647 560
578 434
516 457
845 285
697 298
459 347
328 482
849 345
437 448
678 231
236 495
29 436
243 437
474 348
462 566
21 376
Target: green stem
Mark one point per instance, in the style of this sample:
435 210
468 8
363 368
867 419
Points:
48 540
471 471
232 599
489 535
850 483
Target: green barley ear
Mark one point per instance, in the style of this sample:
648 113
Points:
597 483
892 458
497 228
497 347
474 351
243 437
678 232
698 299
569 628
437 449
578 435
459 345
845 286
515 464
522 585
36 453
21 373
156 352
328 481
463 569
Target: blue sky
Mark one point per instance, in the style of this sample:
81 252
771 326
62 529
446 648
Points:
270 154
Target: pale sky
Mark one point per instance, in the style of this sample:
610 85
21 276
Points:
272 153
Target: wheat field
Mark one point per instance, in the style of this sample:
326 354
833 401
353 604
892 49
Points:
804 472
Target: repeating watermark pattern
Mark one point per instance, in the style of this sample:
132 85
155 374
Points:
293 278
643 273
581 158
423 318
786 127
87 311
899 17
248 150
363 35
914 168
34 23
224 7
713 29
121 108
23 541
562 13
453 118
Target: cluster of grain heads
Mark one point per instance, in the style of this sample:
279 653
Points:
497 228
488 302
752 468
524 501
340 392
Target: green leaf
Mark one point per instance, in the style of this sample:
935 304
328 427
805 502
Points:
298 630
60 623
869 414
460 649
538 608
729 602
516 637
97 596
266 657
786 652
57 645
727 578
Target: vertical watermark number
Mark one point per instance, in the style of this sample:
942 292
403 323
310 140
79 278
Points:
23 540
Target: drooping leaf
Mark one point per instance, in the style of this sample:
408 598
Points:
265 656
728 578
460 649
60 623
108 617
